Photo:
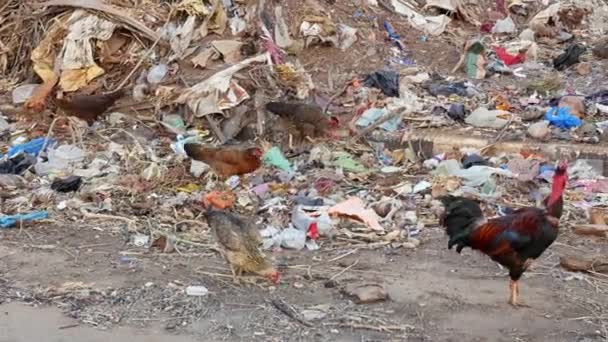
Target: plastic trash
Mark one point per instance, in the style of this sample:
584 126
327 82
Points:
472 160
175 123
275 157
33 147
505 25
23 92
261 190
457 112
304 217
385 80
355 208
197 290
478 175
485 118
392 35
509 59
60 160
474 176
570 57
562 118
347 36
271 237
448 89
421 186
69 184
345 161
11 220
587 169
475 60
373 114
140 240
292 238
17 165
157 73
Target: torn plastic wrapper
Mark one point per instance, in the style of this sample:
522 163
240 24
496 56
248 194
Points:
304 217
431 25
32 147
507 58
68 184
373 114
355 208
562 117
345 161
9 221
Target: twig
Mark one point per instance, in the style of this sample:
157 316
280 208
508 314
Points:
120 14
344 270
382 328
500 134
289 311
340 256
74 325
86 214
215 128
335 96
141 60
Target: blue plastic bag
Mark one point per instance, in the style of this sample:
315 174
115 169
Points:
31 147
11 220
562 117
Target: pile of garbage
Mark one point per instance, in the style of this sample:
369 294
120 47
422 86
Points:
95 121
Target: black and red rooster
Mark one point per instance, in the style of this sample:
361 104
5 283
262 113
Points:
513 240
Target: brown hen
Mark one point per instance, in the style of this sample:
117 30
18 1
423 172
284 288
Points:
239 240
308 119
89 107
226 161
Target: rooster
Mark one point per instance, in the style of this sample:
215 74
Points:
226 161
513 240
239 240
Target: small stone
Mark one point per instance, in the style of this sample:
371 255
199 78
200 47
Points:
330 284
583 69
298 285
197 291
539 130
600 50
366 293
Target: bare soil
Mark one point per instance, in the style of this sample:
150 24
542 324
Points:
435 294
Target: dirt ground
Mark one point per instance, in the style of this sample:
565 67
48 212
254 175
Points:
435 294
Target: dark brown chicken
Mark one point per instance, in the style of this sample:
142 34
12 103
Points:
226 161
308 119
239 240
89 107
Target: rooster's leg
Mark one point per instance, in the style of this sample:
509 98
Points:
513 299
513 289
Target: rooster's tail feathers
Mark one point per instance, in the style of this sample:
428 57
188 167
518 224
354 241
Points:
461 216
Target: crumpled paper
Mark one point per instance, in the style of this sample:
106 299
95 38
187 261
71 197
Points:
78 63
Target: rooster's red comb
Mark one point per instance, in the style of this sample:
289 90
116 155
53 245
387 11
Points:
562 166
